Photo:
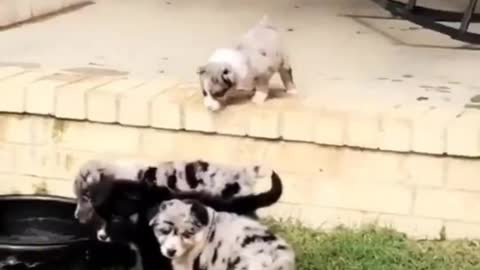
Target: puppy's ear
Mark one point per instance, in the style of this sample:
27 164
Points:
100 192
227 75
200 213
152 215
201 70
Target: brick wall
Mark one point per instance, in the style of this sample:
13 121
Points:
338 166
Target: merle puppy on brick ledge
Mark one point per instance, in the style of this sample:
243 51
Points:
197 175
126 207
248 66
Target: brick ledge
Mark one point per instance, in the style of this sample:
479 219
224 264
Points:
170 104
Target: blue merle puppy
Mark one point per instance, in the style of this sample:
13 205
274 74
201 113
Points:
195 236
197 175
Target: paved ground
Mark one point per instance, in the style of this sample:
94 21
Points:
172 37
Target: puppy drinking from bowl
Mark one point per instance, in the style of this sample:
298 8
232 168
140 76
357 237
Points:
247 66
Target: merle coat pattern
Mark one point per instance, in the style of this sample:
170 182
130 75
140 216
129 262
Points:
248 66
196 237
197 175
128 204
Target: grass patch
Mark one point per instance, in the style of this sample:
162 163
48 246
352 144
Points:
373 248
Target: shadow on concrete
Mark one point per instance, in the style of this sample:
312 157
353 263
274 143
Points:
362 20
47 16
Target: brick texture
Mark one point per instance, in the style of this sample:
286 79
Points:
463 135
135 106
71 99
167 107
330 128
103 102
461 230
463 174
99 138
452 205
425 171
12 90
40 94
25 129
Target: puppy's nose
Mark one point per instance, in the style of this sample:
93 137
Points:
171 252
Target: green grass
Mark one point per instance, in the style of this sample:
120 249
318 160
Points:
373 248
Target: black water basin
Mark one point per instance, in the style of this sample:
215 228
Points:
40 232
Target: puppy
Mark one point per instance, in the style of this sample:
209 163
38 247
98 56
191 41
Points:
248 66
90 173
194 236
213 178
197 175
123 201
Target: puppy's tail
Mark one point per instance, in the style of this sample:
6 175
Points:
269 197
249 203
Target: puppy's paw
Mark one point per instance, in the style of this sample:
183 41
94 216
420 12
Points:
103 236
259 97
292 91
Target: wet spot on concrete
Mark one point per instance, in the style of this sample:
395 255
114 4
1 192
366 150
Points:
411 28
453 82
382 78
446 99
397 80
296 6
290 29
164 58
426 86
161 71
422 98
407 76
472 106
475 99
97 71
95 64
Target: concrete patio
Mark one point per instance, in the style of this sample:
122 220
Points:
386 128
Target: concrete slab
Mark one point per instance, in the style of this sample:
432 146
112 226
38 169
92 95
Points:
346 54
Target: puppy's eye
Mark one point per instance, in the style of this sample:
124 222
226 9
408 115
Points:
226 71
165 230
187 235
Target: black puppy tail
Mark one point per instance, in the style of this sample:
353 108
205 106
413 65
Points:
249 203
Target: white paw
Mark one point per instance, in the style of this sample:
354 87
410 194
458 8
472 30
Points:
292 91
259 98
102 236
211 104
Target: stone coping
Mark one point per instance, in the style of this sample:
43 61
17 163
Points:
370 117
13 12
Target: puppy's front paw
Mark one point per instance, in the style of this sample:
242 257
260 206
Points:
259 97
103 236
292 91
